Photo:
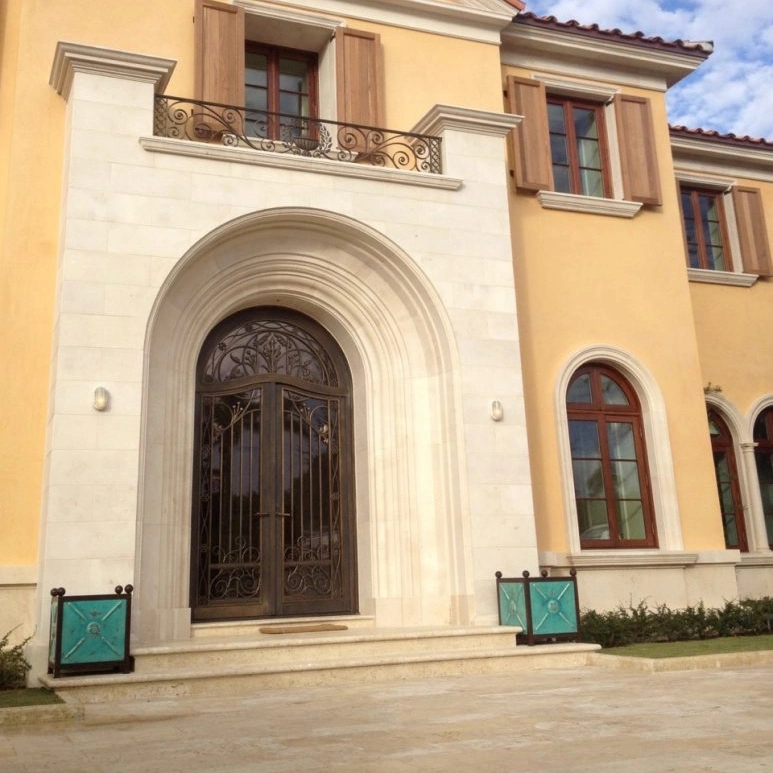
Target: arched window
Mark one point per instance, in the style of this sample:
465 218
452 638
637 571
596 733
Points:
726 472
763 453
609 468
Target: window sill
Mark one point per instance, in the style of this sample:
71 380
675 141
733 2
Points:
570 202
639 558
730 278
758 558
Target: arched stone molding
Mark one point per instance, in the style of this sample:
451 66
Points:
659 456
407 409
738 426
756 409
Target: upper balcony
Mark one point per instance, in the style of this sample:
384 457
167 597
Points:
232 126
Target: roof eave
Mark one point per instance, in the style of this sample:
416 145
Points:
638 56
721 152
493 14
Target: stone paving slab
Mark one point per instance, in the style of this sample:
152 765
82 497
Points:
578 720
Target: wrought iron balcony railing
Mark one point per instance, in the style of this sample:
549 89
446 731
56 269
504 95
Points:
280 133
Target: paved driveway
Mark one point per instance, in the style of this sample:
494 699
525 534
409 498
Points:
587 720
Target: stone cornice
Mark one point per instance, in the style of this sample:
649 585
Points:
535 44
732 159
481 20
443 117
76 57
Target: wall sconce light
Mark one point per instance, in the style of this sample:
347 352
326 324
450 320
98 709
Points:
101 399
497 411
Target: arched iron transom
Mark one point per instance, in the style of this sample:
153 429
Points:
273 513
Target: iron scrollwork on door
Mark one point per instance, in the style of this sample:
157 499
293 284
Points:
269 347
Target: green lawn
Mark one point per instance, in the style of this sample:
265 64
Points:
681 649
14 699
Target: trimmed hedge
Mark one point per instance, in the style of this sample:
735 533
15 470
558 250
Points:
637 624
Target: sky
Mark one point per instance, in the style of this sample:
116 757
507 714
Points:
731 92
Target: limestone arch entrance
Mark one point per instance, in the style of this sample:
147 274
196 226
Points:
414 558
273 522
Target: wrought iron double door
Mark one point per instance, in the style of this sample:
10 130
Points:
273 530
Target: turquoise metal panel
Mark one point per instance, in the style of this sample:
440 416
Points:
93 631
512 603
553 606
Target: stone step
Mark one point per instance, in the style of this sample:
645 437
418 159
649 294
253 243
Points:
246 680
260 649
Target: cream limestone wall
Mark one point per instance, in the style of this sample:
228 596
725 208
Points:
412 274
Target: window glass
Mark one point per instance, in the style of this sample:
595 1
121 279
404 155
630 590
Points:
593 519
611 392
579 390
584 439
632 525
620 438
556 118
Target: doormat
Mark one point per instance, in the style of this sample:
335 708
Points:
307 628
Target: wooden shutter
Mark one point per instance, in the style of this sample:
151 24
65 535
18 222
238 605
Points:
638 158
358 75
530 140
219 52
752 231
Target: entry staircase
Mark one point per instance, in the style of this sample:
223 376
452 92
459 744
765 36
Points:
240 658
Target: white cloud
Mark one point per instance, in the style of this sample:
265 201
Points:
733 90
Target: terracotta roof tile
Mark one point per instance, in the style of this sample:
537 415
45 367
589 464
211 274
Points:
697 48
727 139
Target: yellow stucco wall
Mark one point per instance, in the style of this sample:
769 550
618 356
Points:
31 148
590 280
735 337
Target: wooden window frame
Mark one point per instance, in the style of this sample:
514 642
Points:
273 54
723 443
704 259
602 414
568 104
